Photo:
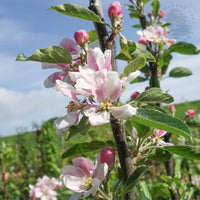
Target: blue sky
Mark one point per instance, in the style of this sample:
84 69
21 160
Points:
29 25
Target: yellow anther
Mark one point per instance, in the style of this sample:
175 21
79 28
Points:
105 105
87 182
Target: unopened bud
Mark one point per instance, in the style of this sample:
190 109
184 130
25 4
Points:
162 13
108 156
172 108
190 113
114 10
134 95
81 37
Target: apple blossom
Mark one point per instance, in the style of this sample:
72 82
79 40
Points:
83 178
156 138
190 113
81 37
44 188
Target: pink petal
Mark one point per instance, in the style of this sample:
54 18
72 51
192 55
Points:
70 45
123 112
107 64
84 164
95 59
51 80
50 65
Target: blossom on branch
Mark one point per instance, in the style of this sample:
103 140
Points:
83 178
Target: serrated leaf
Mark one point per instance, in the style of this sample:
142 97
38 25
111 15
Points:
81 128
184 48
154 95
162 121
178 72
186 151
159 156
140 51
134 178
132 66
156 7
82 148
51 54
77 11
92 36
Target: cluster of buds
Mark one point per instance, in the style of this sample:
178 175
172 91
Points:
115 14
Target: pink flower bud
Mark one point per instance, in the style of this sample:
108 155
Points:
134 95
146 88
114 9
81 37
6 175
108 156
162 13
142 40
172 108
190 113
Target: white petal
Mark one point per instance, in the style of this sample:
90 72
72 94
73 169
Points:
123 112
95 186
50 65
76 196
131 77
101 171
96 118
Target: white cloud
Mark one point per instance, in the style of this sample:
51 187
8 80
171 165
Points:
20 109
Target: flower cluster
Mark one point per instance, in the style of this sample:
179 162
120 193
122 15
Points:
44 188
155 35
94 80
84 178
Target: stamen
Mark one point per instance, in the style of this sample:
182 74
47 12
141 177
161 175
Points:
87 182
105 105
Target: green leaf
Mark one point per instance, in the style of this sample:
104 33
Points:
137 26
184 48
124 46
77 11
178 72
159 156
156 7
134 65
92 36
140 51
52 54
81 128
154 95
128 128
164 59
162 121
153 82
138 79
186 151
134 178
134 14
82 148
145 191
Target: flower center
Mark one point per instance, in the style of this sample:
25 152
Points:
74 106
87 182
105 105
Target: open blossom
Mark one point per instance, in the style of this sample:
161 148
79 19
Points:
83 178
44 188
157 138
155 35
